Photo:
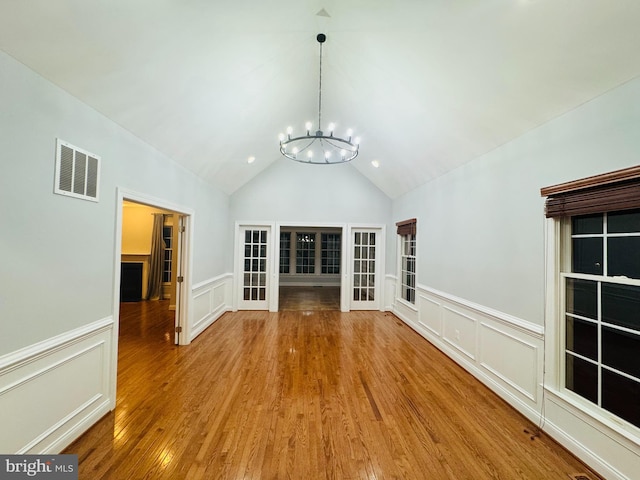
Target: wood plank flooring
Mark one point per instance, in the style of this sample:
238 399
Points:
309 298
304 395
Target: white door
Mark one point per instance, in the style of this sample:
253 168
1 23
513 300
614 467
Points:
364 276
254 268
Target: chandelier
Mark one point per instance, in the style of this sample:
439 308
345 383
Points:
319 147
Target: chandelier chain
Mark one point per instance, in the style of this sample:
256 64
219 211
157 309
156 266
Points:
320 91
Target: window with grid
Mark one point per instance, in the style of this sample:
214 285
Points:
599 286
305 252
602 311
364 266
285 252
255 265
407 234
408 268
330 246
167 234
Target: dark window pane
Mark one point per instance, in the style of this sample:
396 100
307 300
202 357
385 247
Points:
621 396
620 351
583 224
582 378
623 256
582 337
582 298
621 305
247 236
587 255
623 222
247 293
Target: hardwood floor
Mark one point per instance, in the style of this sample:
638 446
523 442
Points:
305 395
309 298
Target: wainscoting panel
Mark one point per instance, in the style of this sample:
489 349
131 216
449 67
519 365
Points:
430 314
610 451
503 352
53 391
510 359
460 331
210 300
507 355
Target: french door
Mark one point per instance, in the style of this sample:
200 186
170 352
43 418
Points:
254 267
365 278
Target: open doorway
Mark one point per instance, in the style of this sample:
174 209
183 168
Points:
149 272
310 268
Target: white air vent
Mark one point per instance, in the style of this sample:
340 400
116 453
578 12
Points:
77 172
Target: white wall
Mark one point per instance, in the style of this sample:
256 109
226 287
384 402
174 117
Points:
57 272
481 227
481 265
288 191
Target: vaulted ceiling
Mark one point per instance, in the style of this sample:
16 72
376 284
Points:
427 84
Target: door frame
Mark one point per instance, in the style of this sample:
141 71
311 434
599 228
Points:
379 289
238 248
183 309
346 281
344 275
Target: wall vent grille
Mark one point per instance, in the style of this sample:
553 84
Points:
77 172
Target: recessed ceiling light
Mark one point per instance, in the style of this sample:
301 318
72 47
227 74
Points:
375 163
251 159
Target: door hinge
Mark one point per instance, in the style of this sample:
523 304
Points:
180 279
178 329
181 229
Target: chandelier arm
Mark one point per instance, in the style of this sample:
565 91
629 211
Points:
340 142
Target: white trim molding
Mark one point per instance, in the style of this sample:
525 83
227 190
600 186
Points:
60 387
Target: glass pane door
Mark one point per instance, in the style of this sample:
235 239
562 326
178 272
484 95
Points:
253 290
365 255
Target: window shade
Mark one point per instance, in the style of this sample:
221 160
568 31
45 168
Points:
619 190
407 227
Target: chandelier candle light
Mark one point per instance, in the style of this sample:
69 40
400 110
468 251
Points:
319 148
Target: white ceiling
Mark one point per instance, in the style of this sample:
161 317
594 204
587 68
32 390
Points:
427 84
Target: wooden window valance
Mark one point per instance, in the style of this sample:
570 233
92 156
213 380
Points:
619 190
407 227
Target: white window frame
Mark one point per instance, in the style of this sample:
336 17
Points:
403 241
557 254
